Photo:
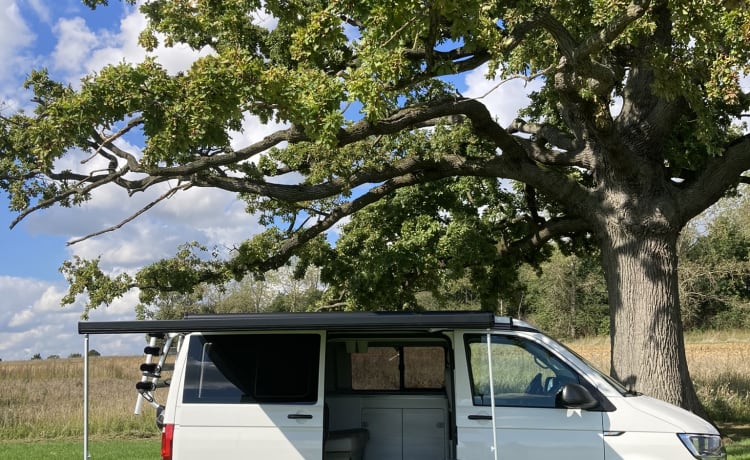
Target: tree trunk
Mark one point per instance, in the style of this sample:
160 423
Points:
648 350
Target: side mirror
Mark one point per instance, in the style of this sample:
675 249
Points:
575 396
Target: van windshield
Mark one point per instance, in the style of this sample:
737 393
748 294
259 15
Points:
609 379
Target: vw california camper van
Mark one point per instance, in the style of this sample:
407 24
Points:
393 386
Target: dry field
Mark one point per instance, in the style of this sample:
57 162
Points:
719 363
42 399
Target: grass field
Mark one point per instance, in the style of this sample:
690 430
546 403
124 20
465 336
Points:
44 399
112 449
41 401
146 449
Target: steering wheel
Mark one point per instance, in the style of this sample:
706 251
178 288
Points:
553 385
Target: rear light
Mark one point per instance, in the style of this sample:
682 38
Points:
167 436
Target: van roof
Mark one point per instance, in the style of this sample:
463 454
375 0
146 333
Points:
330 321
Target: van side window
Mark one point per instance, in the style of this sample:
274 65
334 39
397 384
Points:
396 368
524 373
252 368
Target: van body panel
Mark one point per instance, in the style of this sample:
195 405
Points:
521 432
398 386
645 445
203 442
254 423
531 433
643 413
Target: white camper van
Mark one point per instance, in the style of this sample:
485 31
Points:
392 386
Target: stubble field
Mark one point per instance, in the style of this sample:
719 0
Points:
719 363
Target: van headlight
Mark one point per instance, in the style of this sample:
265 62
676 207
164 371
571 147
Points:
704 446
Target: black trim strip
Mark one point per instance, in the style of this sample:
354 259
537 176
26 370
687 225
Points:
329 321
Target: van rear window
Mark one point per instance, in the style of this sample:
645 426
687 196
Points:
395 368
252 368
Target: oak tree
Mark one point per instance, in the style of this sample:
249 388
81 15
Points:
364 92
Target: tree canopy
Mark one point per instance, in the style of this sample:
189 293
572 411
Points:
630 136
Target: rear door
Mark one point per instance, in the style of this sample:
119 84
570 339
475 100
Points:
251 396
526 378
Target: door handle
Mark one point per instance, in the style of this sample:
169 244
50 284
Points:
480 417
299 416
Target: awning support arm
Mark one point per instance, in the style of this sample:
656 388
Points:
492 395
86 455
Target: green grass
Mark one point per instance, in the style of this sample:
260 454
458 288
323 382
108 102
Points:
117 449
146 449
739 450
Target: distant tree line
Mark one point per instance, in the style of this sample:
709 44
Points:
38 356
290 288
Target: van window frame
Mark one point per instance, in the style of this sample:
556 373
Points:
399 342
473 338
240 378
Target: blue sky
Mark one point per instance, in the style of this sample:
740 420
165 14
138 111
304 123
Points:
72 41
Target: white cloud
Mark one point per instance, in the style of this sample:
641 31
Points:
18 294
28 309
253 131
21 318
265 20
74 43
123 46
128 249
41 10
502 100
15 37
32 321
616 106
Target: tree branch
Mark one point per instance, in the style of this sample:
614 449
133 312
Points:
194 171
553 228
403 119
559 33
444 167
93 182
287 248
163 197
571 154
612 30
717 176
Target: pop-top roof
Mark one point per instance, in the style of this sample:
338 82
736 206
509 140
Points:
330 321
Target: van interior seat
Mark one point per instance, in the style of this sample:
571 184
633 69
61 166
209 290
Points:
343 444
346 444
